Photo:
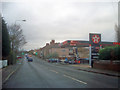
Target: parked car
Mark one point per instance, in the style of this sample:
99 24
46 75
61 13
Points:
59 60
51 60
19 57
54 60
71 62
66 61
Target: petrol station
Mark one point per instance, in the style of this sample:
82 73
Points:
94 44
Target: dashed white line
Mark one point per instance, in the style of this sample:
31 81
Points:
53 71
75 79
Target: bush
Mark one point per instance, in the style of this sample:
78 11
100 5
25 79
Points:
110 53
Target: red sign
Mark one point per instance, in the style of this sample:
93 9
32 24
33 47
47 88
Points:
74 42
116 43
65 42
95 39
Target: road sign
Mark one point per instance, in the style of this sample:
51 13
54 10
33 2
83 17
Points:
36 53
22 53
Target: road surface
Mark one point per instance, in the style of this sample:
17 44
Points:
41 74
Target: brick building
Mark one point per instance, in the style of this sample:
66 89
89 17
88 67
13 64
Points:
62 52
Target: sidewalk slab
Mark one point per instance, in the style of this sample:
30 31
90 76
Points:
86 67
9 70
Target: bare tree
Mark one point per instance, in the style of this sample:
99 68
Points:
117 29
16 37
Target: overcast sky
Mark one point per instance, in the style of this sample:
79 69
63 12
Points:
62 19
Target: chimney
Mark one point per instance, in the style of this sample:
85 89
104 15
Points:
52 42
47 44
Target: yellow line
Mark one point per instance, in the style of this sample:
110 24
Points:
53 71
9 75
75 79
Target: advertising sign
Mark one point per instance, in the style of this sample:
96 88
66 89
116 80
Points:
94 52
94 41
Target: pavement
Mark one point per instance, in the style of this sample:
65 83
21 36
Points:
87 68
41 74
9 70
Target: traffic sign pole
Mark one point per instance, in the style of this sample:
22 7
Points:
90 54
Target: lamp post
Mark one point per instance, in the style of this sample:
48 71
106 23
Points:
20 20
16 25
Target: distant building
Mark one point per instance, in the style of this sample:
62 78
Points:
45 50
63 52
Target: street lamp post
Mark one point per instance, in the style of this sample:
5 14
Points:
16 25
20 20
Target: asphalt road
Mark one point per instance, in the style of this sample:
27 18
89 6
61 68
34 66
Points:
41 74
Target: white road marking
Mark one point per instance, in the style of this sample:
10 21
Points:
75 79
53 71
11 74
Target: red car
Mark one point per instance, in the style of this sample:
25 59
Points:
19 57
77 61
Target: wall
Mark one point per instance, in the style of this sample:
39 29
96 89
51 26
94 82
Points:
106 65
62 52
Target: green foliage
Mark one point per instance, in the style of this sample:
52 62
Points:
5 40
110 53
52 55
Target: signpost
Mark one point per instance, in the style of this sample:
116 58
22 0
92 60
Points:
22 53
94 41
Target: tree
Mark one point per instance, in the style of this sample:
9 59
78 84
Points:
117 29
16 37
5 40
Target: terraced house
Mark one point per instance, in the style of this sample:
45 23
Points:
62 52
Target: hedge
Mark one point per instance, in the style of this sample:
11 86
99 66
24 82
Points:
110 53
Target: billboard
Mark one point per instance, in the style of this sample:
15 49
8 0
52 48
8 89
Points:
94 39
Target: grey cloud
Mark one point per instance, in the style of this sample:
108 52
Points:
61 20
